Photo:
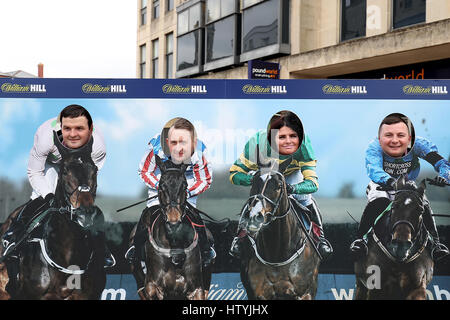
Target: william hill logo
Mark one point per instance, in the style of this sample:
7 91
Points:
256 89
97 88
419 90
18 88
336 89
177 89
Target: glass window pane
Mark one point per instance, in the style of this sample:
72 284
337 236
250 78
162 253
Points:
169 66
143 16
169 5
155 45
187 50
219 39
183 22
227 8
143 53
212 10
194 17
353 19
169 43
258 32
155 9
408 12
155 68
143 3
247 3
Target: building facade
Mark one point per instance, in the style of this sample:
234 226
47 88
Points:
308 39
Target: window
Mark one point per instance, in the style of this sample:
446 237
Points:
189 19
258 32
169 55
155 55
216 9
155 9
169 5
142 60
187 50
265 29
248 3
408 12
353 22
220 39
190 38
143 12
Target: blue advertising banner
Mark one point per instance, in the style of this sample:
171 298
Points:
228 286
223 89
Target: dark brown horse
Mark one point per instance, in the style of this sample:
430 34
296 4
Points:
172 255
57 260
398 265
278 261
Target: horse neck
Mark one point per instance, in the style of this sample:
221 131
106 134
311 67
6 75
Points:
277 239
179 238
65 238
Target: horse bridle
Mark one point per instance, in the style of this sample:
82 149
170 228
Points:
67 195
275 204
273 217
173 203
408 223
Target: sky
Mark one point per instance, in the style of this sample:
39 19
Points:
72 38
339 130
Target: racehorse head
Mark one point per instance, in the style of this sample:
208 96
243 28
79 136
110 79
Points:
172 191
268 195
77 182
406 218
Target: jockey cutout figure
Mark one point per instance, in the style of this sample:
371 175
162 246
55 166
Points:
178 142
74 128
283 139
396 152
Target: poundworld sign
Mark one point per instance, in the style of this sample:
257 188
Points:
263 70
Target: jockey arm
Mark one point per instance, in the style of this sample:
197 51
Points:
429 152
201 172
202 177
147 169
310 183
374 164
36 162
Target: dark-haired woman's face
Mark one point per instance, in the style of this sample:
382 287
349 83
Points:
76 132
287 141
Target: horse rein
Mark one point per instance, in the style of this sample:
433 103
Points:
416 238
168 253
275 205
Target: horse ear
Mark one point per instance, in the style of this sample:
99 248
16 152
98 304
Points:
160 163
285 164
260 158
422 187
401 182
62 150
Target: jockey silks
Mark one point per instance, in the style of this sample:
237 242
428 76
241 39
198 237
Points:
380 166
198 173
44 158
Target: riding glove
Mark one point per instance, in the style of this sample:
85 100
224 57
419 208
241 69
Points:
304 187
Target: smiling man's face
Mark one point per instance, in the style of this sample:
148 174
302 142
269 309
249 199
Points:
395 139
76 132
